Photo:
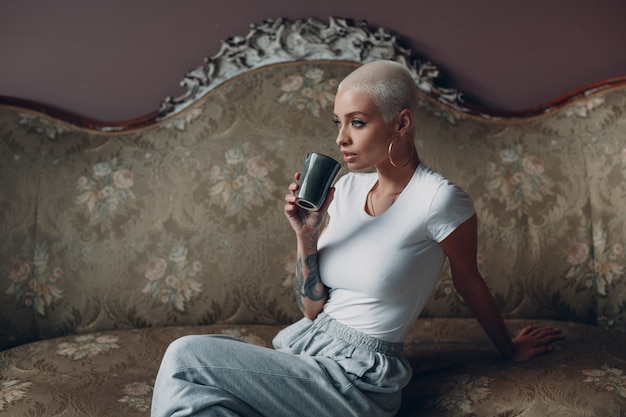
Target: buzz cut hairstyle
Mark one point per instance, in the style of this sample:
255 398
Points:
390 85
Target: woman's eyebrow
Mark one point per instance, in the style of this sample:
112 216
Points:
352 114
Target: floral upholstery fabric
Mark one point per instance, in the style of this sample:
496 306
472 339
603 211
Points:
550 194
107 237
180 223
456 372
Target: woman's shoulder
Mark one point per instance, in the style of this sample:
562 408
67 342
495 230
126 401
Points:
427 176
434 186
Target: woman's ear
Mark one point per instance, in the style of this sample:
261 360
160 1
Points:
405 119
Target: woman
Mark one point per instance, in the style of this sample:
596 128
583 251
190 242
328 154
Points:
361 281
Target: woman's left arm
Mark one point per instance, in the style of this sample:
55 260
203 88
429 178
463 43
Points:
461 248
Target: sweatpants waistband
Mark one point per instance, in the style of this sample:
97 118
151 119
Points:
326 323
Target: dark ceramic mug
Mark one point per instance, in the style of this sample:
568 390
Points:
317 176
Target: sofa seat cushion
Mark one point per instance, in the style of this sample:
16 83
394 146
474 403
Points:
97 374
456 372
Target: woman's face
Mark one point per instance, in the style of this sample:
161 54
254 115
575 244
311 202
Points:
363 136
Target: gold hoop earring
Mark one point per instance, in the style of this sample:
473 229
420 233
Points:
391 149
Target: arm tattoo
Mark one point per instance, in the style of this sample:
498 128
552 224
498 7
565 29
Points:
307 288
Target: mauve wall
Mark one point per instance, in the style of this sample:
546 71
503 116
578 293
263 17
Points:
115 60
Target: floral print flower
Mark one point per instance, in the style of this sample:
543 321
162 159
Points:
234 156
463 392
11 391
577 253
123 179
106 190
242 183
35 285
257 167
87 346
41 125
138 396
517 179
309 92
19 271
155 268
292 83
602 270
607 379
171 278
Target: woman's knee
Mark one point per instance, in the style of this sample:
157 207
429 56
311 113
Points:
181 351
196 350
183 344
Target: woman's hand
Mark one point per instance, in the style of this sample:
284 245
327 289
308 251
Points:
533 341
304 222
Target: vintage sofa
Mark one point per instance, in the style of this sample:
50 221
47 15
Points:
116 239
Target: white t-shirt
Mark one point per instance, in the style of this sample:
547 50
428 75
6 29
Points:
381 270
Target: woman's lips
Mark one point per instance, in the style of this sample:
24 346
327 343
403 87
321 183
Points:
349 157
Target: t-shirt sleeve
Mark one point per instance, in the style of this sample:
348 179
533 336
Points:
450 207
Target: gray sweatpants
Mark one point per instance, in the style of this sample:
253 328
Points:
318 368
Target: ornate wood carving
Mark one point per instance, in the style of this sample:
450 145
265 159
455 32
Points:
276 41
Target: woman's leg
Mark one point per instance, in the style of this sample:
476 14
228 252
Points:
218 375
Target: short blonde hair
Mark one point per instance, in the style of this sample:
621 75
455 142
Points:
390 85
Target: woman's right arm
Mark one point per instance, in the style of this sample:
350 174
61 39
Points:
311 293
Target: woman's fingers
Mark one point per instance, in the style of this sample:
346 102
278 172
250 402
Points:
290 198
542 335
293 187
550 335
527 330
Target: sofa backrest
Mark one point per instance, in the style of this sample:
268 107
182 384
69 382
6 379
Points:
181 221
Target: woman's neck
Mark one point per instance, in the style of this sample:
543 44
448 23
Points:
392 180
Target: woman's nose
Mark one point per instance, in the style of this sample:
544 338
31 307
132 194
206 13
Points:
342 138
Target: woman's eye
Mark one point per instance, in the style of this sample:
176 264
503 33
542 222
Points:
353 123
357 123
